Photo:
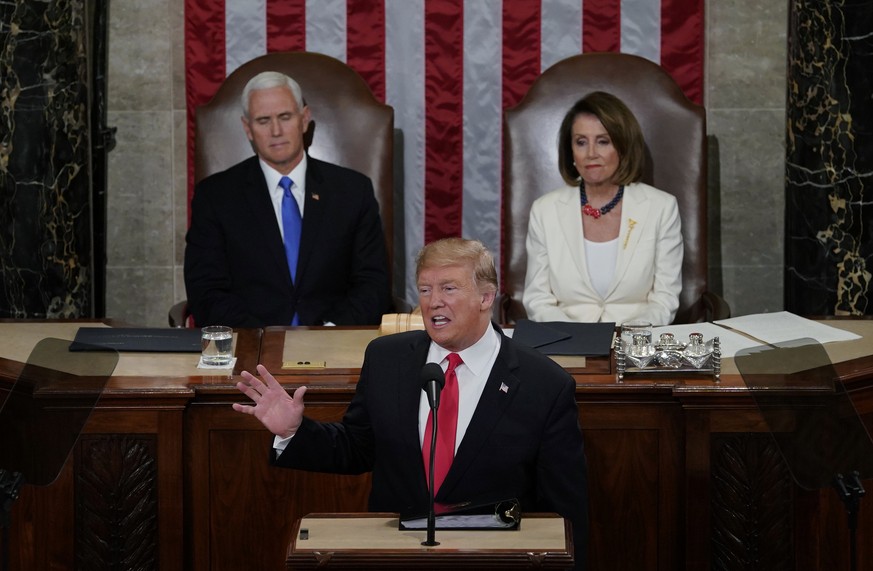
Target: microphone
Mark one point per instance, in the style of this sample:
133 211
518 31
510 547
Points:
432 382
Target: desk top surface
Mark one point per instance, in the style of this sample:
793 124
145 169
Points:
334 356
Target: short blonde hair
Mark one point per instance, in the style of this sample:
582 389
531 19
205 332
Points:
460 251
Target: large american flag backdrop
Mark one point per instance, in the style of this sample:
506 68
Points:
449 68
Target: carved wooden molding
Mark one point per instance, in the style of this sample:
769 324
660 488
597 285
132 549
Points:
116 479
752 498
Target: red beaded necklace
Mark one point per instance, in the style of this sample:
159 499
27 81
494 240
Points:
598 212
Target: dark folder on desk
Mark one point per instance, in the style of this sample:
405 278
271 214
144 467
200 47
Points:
138 339
565 338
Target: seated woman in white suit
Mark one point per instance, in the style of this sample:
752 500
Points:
606 247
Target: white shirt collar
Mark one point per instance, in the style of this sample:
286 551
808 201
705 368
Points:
297 175
478 357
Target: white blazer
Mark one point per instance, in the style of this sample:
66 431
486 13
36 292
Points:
648 271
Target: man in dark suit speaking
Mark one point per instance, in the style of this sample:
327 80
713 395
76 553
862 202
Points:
282 238
511 412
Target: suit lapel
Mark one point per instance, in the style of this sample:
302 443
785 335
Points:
409 393
569 215
500 389
633 221
316 203
261 205
408 398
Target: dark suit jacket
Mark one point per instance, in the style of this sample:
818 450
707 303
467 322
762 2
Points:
523 443
236 272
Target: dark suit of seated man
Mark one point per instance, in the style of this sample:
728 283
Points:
239 270
516 428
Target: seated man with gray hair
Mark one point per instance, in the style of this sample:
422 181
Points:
283 238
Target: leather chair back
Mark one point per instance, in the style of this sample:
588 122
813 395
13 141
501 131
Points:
349 126
675 132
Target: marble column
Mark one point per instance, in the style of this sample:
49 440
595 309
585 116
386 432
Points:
829 164
46 260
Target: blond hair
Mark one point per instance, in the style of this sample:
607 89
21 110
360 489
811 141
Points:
456 252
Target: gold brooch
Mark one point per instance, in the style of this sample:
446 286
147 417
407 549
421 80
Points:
630 226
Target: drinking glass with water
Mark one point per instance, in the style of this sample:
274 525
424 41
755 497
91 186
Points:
216 345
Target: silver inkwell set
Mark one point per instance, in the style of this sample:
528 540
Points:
636 352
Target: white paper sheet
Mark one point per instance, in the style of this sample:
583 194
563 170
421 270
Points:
781 326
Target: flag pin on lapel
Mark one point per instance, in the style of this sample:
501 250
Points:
315 196
504 388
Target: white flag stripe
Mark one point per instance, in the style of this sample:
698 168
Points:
560 30
245 32
326 27
404 90
641 28
483 116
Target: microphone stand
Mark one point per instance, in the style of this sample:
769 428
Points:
431 514
432 381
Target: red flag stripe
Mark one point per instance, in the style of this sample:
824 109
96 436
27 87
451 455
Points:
682 29
601 29
365 42
443 94
286 25
521 56
521 48
204 64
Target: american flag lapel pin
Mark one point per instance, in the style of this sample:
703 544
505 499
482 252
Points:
504 388
315 196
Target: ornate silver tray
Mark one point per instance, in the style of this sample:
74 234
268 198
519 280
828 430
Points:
669 356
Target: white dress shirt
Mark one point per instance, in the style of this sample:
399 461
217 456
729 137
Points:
472 375
298 189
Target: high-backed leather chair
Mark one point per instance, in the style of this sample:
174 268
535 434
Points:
675 132
349 127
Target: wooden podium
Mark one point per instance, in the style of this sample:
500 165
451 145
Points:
361 541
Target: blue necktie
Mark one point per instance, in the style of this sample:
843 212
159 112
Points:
292 222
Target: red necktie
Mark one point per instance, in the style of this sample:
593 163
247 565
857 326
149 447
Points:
447 427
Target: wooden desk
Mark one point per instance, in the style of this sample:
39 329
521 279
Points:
119 498
681 468
662 452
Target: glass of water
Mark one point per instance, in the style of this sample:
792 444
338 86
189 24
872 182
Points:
216 342
631 328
